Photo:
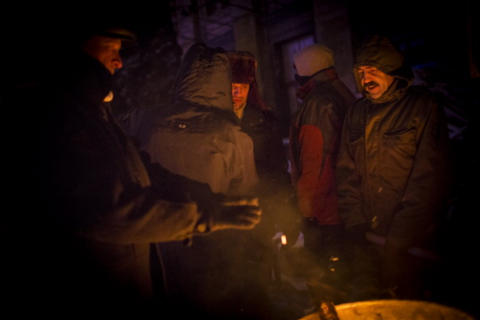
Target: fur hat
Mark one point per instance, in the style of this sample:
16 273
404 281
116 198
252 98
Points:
244 66
312 59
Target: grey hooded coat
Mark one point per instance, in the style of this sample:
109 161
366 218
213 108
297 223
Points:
198 136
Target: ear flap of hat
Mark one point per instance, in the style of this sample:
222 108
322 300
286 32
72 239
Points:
244 66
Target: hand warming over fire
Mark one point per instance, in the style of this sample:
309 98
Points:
237 213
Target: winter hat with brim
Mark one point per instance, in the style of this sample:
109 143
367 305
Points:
117 32
312 59
244 66
107 30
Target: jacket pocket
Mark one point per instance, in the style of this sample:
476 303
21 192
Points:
399 137
398 150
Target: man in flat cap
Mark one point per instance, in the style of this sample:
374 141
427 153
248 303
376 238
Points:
80 242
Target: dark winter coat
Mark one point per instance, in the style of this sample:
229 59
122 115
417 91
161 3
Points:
314 139
393 166
279 209
199 136
90 212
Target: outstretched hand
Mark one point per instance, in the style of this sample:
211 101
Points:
242 213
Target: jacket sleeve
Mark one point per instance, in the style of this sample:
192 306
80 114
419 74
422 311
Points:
93 183
311 150
315 130
427 190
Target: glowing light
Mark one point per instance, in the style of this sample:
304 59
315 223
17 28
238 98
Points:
284 239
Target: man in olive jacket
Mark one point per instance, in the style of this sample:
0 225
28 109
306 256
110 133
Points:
393 174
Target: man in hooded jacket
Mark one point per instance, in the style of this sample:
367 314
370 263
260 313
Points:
197 135
393 176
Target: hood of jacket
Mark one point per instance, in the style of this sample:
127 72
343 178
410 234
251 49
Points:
379 52
204 78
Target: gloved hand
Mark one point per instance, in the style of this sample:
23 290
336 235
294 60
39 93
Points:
241 213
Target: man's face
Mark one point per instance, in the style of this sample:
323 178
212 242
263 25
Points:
374 81
106 50
239 95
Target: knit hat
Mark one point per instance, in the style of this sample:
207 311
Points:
244 66
312 59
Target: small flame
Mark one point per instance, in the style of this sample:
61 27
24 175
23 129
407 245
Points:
284 239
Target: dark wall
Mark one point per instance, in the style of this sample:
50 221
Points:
39 37
429 34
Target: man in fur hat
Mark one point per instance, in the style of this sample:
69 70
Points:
275 190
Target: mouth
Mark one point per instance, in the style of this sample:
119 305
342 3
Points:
370 85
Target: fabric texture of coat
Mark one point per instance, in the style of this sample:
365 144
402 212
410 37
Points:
198 136
91 212
275 187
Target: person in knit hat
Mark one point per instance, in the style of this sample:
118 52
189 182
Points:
314 138
393 177
274 190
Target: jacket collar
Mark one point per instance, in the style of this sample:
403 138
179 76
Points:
324 75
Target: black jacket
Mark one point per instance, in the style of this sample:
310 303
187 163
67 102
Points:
88 211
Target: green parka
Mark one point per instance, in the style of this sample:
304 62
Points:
393 168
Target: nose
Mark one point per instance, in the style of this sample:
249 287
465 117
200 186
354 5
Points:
365 77
117 61
235 91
